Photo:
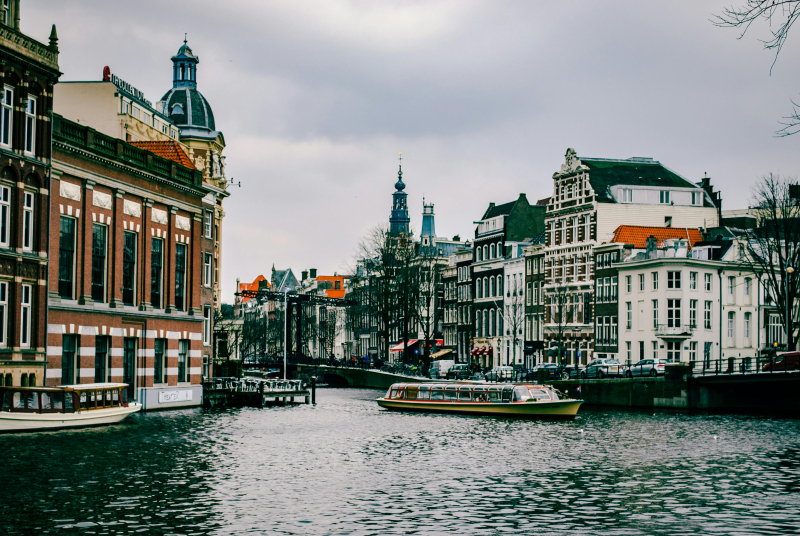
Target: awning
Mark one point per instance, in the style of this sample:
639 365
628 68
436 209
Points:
441 353
400 347
484 350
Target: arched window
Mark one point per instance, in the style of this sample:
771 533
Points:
499 322
31 380
493 283
485 253
492 325
9 380
478 252
485 287
478 289
491 251
499 285
478 326
23 381
485 323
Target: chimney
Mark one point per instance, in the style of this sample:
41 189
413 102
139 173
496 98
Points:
303 275
652 246
312 272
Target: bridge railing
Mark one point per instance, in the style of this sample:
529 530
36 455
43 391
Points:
743 365
252 385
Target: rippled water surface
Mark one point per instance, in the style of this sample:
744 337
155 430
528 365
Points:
347 467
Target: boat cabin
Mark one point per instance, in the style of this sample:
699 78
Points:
63 399
455 392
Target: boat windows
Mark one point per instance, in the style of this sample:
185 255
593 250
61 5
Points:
507 391
437 393
18 403
479 394
393 393
465 394
450 394
495 394
424 393
521 394
539 394
400 394
108 399
47 403
411 392
69 402
115 397
58 401
83 399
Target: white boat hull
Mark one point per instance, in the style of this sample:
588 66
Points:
29 422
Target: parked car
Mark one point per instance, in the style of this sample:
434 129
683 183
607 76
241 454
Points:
571 372
787 361
551 368
458 372
602 368
500 374
439 368
646 367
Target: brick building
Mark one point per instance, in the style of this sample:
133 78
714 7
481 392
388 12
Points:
28 69
125 289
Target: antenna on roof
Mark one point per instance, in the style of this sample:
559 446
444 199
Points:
184 38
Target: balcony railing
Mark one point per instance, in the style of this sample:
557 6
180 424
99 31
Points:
680 331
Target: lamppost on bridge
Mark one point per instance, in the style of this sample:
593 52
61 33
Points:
789 272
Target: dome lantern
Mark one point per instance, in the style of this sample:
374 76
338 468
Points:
184 67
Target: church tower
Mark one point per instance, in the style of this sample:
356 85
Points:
398 223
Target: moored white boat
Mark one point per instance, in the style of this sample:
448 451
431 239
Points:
24 409
502 400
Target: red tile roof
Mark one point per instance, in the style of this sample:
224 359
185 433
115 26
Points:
333 292
251 286
166 149
638 235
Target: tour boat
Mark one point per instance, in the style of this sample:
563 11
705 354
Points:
24 409
505 400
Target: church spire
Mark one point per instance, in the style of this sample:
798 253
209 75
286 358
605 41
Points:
398 223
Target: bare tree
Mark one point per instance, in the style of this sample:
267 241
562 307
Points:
562 310
514 314
773 249
427 311
780 15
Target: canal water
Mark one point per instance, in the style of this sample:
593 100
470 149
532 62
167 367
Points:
347 467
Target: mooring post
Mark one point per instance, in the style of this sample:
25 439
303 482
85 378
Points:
261 394
314 390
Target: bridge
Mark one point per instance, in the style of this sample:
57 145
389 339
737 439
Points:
352 376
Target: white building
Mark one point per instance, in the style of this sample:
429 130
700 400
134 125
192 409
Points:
514 305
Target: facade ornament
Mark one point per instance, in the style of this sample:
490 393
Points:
70 191
182 222
132 208
101 200
571 162
159 216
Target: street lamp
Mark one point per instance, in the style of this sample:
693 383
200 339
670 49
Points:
789 272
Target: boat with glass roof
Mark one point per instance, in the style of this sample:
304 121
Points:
523 400
26 409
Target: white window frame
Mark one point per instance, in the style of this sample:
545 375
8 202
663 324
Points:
655 280
708 284
628 284
25 316
692 280
731 325
7 116
664 197
3 314
641 282
5 216
27 221
30 125
747 321
674 279
207 270
207 224
708 319
627 195
207 326
628 315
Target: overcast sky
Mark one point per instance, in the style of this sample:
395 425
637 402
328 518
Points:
315 100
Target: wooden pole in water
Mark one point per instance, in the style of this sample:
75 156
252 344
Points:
314 390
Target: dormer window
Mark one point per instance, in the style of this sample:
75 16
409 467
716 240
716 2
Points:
664 197
177 109
627 195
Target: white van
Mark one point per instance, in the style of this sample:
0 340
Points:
439 368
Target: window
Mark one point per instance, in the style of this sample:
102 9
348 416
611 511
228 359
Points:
731 324
747 317
129 364
747 285
693 313
207 224
99 241
183 351
673 280
66 257
627 195
5 214
628 284
628 350
664 196
693 351
6 116
101 359
30 125
207 326
27 222
25 317
707 346
655 280
673 351
614 284
707 315
641 282
655 313
156 271
180 276
3 314
655 349
207 270
491 251
613 330
707 282
128 267
692 280
674 313
694 198
628 315
667 221
70 343
731 285
159 370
